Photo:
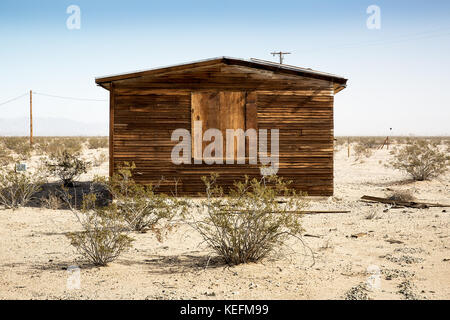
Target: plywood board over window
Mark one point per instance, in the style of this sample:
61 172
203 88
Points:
222 110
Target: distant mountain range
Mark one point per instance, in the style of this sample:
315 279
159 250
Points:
51 127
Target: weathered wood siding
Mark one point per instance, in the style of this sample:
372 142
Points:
145 111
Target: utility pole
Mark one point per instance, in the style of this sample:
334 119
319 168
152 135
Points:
281 54
31 117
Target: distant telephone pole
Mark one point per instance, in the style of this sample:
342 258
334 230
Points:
31 117
281 54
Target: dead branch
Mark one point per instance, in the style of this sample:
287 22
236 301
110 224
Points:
294 212
409 204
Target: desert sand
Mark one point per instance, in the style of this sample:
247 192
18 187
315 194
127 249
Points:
35 253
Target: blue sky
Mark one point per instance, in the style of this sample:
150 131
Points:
398 75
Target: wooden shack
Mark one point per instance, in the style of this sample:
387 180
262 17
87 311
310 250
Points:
146 107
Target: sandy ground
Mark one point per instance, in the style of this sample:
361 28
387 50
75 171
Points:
35 254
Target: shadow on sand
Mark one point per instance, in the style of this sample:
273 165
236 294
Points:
172 264
76 192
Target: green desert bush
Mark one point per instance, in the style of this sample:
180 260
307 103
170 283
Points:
18 188
251 222
140 205
66 166
420 159
135 207
104 236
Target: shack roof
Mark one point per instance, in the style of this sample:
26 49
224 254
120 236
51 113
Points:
252 63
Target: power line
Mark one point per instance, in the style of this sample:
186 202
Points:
13 99
394 41
53 96
400 39
69 98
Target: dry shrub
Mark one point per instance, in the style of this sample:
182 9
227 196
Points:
365 147
409 291
104 237
370 143
338 143
19 146
98 161
361 150
403 140
139 205
18 188
447 143
358 292
74 144
351 139
251 222
66 166
98 143
401 195
373 214
52 201
421 160
5 157
56 145
49 146
398 140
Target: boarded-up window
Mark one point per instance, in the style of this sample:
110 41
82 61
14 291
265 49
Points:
222 110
